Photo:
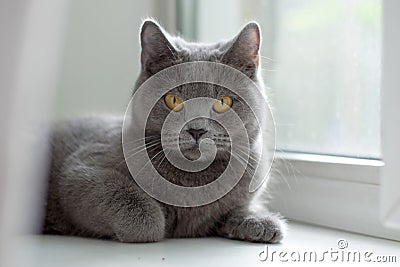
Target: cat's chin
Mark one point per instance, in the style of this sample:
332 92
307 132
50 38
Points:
192 153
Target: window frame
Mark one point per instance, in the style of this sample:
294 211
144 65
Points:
390 197
337 192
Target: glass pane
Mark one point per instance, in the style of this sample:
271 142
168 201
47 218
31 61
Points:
322 64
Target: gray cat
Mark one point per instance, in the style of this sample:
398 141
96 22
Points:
91 191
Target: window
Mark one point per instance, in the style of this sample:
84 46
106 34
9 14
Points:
321 60
322 63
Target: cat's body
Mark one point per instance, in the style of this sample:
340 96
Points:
92 193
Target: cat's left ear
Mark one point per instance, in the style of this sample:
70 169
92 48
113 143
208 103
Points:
243 53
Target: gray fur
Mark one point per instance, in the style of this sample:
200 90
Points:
91 192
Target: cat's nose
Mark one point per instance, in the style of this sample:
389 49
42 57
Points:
196 133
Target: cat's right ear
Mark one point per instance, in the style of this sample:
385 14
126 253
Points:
157 51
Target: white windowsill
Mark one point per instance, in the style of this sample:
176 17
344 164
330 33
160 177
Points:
72 251
337 192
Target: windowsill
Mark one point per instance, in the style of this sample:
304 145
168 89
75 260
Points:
72 251
337 192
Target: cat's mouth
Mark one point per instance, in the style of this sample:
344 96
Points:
191 150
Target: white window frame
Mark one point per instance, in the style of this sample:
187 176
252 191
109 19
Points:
390 196
358 195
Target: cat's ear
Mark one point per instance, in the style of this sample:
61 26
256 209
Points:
243 53
157 52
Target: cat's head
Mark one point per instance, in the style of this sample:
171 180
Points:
161 51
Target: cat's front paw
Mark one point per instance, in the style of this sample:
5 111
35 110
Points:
268 229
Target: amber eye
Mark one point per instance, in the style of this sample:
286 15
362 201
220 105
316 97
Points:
222 104
173 102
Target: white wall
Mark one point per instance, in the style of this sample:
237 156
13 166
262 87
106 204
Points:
101 53
32 34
